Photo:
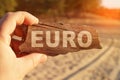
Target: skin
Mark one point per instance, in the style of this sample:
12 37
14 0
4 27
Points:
12 67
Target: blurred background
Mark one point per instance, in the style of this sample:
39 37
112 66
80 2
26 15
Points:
71 8
95 64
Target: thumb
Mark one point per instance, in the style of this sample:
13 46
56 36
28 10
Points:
32 60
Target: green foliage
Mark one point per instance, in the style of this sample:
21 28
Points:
49 7
83 4
7 5
57 7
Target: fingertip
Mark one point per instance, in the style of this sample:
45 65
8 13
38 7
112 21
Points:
37 20
34 19
26 18
41 57
30 61
31 20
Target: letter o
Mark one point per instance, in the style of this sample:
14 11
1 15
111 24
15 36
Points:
89 39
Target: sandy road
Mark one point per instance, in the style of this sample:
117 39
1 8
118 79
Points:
95 64
103 64
106 67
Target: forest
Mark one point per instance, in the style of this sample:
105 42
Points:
49 7
66 8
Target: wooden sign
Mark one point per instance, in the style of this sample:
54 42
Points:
54 38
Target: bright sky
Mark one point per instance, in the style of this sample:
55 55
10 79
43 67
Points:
113 4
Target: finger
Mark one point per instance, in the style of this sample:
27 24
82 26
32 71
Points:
9 22
32 60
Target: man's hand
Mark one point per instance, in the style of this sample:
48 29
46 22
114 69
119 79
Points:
11 67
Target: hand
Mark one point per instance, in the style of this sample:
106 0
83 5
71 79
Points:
11 67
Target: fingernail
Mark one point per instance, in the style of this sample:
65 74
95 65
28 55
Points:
43 58
37 20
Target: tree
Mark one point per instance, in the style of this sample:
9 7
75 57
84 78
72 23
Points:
57 7
82 5
7 5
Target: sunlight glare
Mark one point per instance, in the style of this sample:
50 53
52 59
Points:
112 4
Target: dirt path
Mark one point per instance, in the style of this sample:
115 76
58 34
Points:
95 64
